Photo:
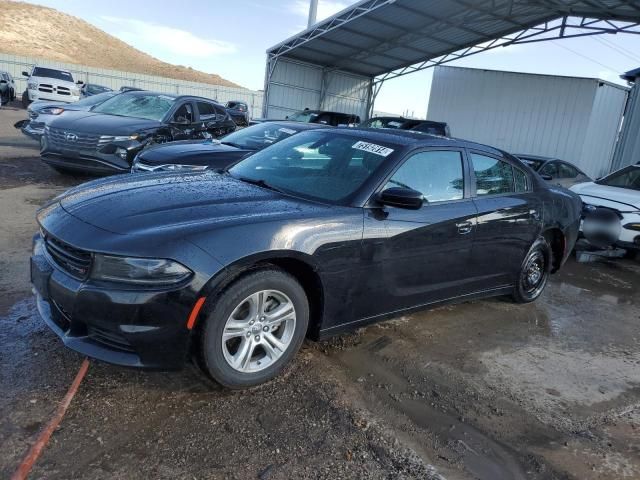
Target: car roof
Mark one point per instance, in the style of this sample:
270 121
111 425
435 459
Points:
415 139
535 157
176 97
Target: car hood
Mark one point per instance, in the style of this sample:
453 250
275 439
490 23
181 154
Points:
193 152
54 81
98 123
192 202
596 194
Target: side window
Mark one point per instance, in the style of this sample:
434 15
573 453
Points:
436 174
550 168
220 113
207 110
567 171
184 112
325 119
521 180
493 176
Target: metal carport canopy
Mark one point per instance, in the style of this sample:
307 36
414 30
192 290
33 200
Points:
374 37
382 39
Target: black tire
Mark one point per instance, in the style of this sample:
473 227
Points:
534 272
25 100
220 309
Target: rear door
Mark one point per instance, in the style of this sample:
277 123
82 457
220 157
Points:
425 254
509 218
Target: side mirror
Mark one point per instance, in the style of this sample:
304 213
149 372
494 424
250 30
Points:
401 198
180 121
80 82
25 74
546 176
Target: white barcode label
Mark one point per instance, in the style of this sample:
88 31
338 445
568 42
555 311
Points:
373 148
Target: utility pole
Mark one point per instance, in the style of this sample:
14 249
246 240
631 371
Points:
313 12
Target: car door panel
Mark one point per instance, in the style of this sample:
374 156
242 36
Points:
419 256
508 220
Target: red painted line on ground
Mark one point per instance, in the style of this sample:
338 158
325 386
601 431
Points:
36 449
194 313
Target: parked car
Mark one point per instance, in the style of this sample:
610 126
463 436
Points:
89 89
42 112
51 84
401 123
239 111
556 172
106 139
126 88
7 88
325 231
319 116
619 194
213 154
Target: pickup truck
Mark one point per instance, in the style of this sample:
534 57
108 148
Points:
50 84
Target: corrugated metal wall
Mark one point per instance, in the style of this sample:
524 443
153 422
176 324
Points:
628 148
115 79
575 119
294 86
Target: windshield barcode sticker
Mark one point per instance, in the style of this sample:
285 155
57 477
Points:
288 131
373 148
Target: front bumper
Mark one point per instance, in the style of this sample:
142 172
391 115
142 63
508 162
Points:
99 160
132 328
34 130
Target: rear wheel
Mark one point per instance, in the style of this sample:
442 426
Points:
254 328
534 272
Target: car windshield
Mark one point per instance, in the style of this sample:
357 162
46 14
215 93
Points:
319 165
149 106
52 73
95 89
257 137
94 99
628 177
306 116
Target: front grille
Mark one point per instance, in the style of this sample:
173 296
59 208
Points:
109 338
48 88
72 140
72 260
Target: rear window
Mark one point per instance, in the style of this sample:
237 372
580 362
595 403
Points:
52 73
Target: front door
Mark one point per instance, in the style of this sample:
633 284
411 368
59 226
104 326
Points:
421 256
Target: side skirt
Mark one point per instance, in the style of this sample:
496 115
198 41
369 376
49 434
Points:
493 292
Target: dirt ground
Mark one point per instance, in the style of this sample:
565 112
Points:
484 389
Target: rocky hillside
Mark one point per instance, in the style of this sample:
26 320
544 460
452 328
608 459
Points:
36 31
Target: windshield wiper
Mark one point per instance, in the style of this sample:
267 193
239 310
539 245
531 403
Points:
260 182
231 144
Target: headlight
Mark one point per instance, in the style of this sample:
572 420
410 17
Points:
32 85
75 91
52 110
138 271
171 167
123 138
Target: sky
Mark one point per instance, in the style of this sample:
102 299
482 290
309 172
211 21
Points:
231 38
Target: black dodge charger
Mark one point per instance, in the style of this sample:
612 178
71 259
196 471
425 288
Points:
214 154
324 231
106 139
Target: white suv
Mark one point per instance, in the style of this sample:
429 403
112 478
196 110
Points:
50 84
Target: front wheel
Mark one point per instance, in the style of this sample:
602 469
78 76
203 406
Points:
25 99
534 272
254 328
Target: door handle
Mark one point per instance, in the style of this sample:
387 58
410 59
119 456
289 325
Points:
464 227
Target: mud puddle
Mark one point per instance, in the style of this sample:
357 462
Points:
398 399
